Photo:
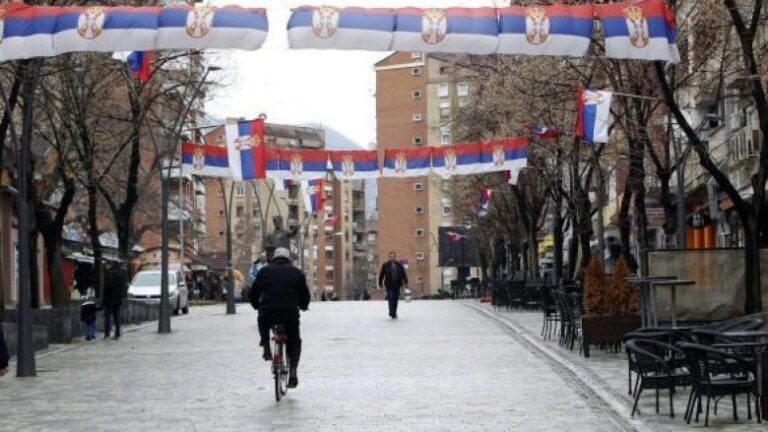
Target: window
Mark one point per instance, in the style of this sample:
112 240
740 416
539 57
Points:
419 279
221 233
462 89
445 110
463 102
416 140
221 212
445 135
446 210
329 275
416 71
416 94
419 232
219 193
255 193
329 254
346 258
443 90
255 212
416 117
419 256
418 187
418 209
239 210
415 55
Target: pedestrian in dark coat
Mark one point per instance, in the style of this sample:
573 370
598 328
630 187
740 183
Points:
392 277
4 357
115 287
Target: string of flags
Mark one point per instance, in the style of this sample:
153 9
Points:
643 30
246 157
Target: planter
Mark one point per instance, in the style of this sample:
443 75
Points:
606 330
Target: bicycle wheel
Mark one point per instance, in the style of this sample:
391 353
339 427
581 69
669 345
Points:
277 369
283 370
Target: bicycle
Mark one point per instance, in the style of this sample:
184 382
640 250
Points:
280 368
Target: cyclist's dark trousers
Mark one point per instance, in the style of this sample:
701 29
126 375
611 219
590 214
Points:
393 294
268 318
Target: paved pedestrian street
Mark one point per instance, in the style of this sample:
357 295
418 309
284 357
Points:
441 366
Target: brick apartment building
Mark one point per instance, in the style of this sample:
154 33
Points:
416 98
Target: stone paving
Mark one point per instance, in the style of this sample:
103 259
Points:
608 371
441 366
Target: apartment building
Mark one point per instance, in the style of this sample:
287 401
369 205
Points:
417 97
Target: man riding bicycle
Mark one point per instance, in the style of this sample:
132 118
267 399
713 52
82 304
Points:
279 291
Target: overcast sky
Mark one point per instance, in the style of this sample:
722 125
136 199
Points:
333 88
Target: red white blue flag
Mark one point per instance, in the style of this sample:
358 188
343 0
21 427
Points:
204 160
457 159
412 162
247 149
643 30
594 119
140 63
354 164
449 30
300 165
324 27
546 30
505 154
484 198
543 131
313 195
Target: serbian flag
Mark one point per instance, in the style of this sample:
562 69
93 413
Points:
484 198
449 30
542 131
408 162
545 30
594 115
505 155
330 220
301 165
457 159
354 164
328 27
313 195
204 160
247 149
643 30
140 63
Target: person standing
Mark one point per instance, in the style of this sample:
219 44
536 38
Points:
88 315
4 356
392 276
256 266
115 284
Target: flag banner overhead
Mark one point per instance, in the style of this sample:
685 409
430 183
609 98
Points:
354 164
411 162
594 117
505 155
341 28
202 26
247 150
450 30
204 160
100 29
558 30
301 164
46 31
643 30
457 159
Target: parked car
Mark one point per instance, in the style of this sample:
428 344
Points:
146 285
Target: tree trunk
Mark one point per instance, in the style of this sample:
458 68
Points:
51 229
624 224
668 203
557 233
125 213
753 298
93 230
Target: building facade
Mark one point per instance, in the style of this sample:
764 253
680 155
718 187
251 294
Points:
417 97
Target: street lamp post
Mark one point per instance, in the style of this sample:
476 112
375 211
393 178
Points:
600 204
164 319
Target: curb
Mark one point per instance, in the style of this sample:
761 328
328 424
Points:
580 376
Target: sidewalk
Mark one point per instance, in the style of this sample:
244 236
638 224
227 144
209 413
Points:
606 375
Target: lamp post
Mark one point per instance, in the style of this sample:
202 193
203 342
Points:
681 157
173 135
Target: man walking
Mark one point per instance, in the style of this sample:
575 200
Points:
392 276
115 284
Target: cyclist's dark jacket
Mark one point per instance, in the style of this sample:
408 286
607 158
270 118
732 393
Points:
280 286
